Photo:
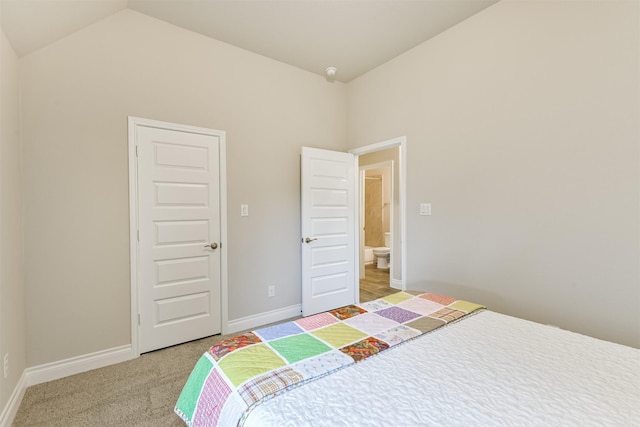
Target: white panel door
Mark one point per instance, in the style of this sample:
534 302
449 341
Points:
179 236
328 230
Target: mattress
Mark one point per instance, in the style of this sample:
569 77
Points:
488 370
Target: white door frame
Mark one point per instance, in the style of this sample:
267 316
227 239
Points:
401 142
133 219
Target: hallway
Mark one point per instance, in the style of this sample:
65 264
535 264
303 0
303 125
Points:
375 284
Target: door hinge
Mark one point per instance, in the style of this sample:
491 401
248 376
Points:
138 235
136 151
139 319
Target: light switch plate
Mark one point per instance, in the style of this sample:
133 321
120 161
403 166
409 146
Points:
244 210
425 208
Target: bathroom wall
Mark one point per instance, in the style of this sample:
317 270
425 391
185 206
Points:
373 227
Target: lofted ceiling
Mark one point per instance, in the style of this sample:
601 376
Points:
354 36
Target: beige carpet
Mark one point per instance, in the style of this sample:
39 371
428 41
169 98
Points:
140 392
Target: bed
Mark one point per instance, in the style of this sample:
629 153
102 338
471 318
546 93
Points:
413 359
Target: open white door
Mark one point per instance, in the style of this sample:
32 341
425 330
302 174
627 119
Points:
328 211
179 233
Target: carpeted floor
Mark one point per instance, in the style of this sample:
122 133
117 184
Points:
141 392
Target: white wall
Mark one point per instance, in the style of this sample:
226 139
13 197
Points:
76 96
522 128
12 304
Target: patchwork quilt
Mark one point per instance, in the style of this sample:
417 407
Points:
237 374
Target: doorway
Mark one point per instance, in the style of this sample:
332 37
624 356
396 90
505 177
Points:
376 223
339 226
372 161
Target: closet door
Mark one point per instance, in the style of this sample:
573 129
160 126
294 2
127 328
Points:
179 262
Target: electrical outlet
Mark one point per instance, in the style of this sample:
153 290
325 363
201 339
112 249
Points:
6 365
271 291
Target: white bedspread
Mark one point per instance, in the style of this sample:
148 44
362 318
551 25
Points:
487 370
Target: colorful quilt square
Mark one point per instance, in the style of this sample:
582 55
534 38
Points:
398 334
347 312
397 297
249 362
426 324
339 335
420 305
364 348
316 321
322 363
371 323
440 299
278 331
466 306
299 347
447 314
268 384
190 394
375 305
215 390
219 350
398 314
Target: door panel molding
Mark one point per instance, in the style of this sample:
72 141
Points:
328 239
193 195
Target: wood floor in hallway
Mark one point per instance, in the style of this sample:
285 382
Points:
375 283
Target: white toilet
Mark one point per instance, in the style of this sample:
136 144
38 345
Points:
383 253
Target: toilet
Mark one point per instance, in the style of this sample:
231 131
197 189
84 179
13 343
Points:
383 253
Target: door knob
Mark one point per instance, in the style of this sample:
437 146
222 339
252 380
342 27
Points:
308 240
214 245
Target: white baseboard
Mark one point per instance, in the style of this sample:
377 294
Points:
11 408
396 284
256 320
60 369
76 365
